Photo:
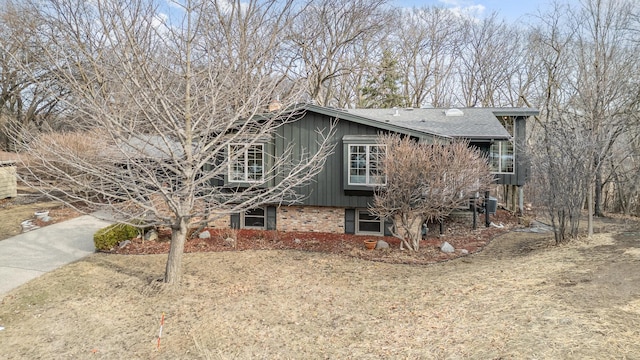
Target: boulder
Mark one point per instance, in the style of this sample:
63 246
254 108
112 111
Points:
205 235
230 242
447 248
122 244
381 244
151 235
28 225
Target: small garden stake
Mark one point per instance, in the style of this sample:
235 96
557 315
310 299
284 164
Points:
160 333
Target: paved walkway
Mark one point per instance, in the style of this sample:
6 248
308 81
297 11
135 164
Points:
26 256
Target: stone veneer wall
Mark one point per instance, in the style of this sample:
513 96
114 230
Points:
310 218
221 223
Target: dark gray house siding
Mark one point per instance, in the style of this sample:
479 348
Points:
326 189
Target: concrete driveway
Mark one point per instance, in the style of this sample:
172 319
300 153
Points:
29 255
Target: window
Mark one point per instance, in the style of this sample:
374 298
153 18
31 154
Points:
246 163
367 223
501 157
365 165
501 153
254 219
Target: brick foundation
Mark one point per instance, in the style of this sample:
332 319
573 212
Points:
310 218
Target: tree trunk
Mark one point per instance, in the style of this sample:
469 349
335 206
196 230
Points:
173 271
590 210
597 201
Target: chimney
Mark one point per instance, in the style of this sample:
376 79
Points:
275 105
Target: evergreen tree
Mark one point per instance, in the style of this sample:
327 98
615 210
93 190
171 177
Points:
382 90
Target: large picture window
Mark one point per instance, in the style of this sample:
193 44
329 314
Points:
365 165
501 153
501 157
247 163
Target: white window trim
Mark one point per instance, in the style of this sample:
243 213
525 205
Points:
264 223
245 157
358 232
367 168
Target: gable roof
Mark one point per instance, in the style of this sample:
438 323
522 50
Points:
348 115
150 146
469 123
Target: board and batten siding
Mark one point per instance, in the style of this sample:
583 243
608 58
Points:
8 182
326 189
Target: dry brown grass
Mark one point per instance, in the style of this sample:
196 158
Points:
14 211
518 299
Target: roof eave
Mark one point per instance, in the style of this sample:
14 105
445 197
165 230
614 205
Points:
488 138
516 112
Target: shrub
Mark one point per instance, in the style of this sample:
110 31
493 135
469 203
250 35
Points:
107 238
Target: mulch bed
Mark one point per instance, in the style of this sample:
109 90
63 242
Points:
457 233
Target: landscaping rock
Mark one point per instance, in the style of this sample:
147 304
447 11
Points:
151 235
381 244
230 242
297 241
447 248
28 225
42 214
122 244
205 235
464 252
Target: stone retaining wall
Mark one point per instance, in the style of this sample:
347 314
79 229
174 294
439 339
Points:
222 223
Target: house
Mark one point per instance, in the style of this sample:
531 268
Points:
337 200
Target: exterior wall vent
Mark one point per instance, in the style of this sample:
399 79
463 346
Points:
453 112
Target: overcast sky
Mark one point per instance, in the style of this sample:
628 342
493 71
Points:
511 10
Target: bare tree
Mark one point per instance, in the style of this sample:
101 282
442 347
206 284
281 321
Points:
560 151
326 37
487 61
25 102
561 169
605 94
174 108
588 104
428 42
426 182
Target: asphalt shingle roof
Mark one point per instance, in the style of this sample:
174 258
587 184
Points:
477 123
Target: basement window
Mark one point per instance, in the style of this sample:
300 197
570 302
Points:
254 218
368 224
